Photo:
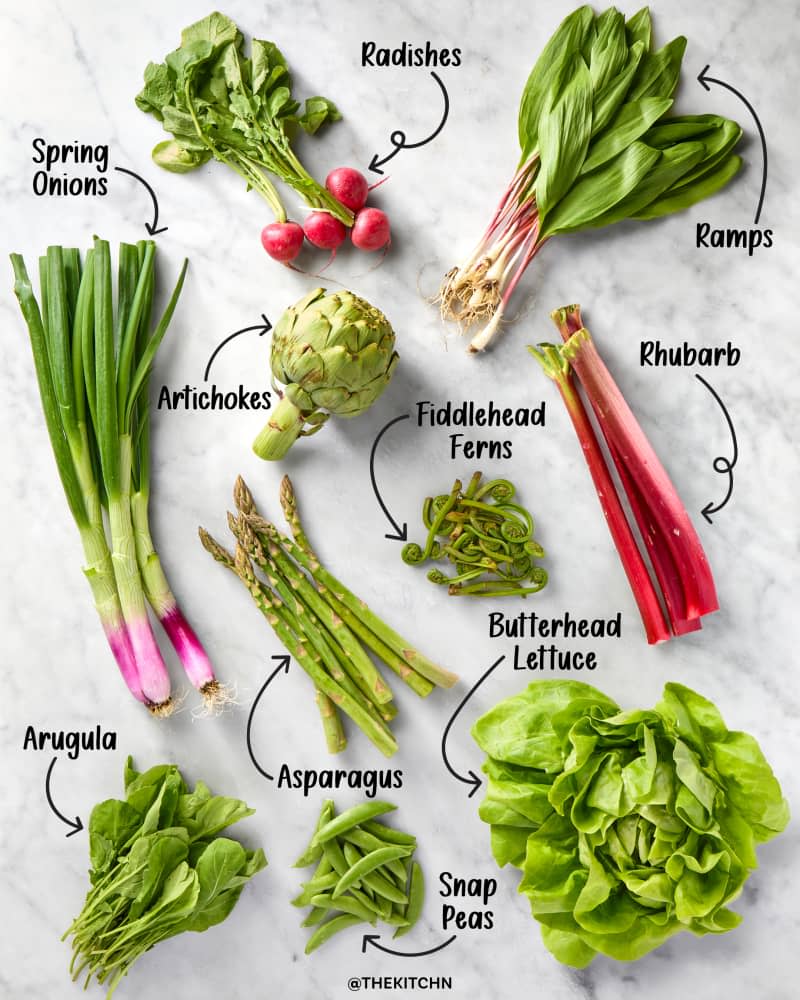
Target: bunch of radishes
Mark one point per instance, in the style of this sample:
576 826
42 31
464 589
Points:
283 241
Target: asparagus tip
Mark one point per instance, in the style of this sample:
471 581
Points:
242 497
212 546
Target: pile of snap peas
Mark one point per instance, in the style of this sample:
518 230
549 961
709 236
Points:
365 873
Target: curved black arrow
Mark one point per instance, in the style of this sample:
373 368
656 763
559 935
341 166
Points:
705 80
400 533
473 778
264 327
151 227
398 138
374 938
77 824
283 664
724 466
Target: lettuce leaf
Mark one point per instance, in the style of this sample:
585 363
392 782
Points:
627 826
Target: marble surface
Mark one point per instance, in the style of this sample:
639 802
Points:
70 71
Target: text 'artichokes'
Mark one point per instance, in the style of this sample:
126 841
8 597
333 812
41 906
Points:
333 353
627 826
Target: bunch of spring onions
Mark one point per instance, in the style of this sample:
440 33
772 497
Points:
596 148
683 580
93 354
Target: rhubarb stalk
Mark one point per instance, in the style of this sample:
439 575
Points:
678 558
556 368
668 536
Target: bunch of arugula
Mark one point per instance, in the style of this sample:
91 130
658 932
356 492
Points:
596 148
217 103
158 868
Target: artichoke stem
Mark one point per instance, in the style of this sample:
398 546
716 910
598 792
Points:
280 432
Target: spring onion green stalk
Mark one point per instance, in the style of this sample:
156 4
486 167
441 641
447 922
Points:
93 360
596 148
115 449
66 419
185 642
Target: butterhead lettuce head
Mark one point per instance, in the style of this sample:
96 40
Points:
627 826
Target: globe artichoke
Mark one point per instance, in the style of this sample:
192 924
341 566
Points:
333 353
627 826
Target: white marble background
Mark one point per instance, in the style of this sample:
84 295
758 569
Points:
70 71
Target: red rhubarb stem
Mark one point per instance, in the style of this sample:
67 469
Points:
644 592
659 503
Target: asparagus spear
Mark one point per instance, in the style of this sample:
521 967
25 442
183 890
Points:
424 666
297 617
332 740
335 740
271 607
310 599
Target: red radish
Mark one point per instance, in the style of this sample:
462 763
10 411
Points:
370 230
348 186
282 240
324 231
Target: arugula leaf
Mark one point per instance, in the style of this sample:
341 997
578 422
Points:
111 825
158 869
216 814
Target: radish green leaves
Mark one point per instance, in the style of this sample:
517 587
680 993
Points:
216 102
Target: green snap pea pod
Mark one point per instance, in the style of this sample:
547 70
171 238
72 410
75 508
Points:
416 897
369 842
326 931
345 904
368 864
383 907
383 887
350 818
333 852
389 834
364 896
317 915
323 868
315 886
314 852
353 856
